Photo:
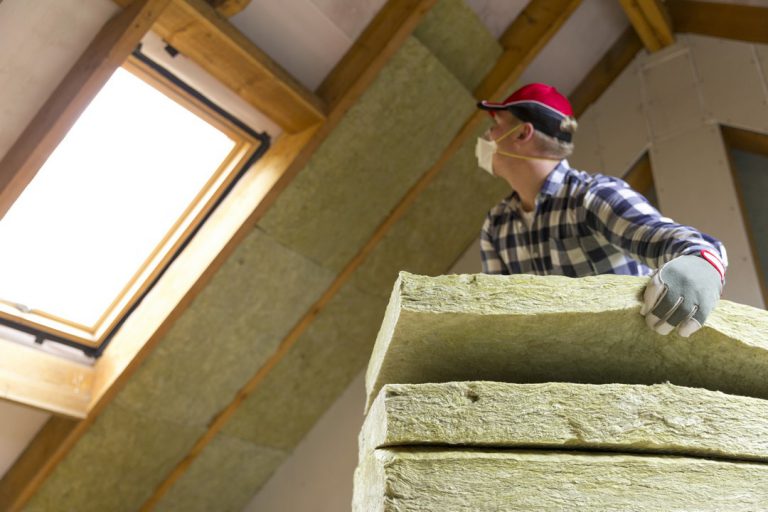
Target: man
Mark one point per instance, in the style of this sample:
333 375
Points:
562 221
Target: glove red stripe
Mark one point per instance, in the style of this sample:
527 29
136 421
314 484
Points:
715 261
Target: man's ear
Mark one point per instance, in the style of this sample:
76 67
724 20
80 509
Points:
526 133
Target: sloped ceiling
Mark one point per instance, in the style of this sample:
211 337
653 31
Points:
361 172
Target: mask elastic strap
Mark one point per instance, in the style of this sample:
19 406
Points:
510 132
522 157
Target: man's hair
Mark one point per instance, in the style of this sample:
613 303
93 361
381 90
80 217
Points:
552 147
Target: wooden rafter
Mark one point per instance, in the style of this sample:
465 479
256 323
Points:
109 49
651 22
740 22
523 40
607 69
226 8
229 8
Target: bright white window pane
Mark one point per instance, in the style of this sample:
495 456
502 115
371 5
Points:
104 199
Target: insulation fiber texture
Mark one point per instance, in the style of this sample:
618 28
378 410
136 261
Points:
529 329
424 480
661 418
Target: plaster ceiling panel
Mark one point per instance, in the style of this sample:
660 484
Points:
296 34
586 154
621 122
438 227
497 14
39 43
578 45
223 477
18 426
731 81
227 333
469 57
121 458
671 91
351 16
380 148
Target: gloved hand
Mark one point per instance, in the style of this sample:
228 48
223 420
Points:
682 293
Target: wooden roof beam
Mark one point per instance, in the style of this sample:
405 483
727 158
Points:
651 22
229 8
225 8
730 21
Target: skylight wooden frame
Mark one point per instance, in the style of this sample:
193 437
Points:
245 146
111 49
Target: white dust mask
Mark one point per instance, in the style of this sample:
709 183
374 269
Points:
485 149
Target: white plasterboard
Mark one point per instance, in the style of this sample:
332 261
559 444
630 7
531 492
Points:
731 82
18 426
39 43
586 155
672 99
296 34
579 44
351 16
622 119
496 15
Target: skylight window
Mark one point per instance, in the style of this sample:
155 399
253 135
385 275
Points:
110 204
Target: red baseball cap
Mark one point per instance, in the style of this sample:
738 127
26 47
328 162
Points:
539 104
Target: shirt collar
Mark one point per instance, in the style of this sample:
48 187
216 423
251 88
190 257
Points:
550 187
555 179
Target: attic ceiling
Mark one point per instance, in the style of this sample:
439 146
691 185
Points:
289 318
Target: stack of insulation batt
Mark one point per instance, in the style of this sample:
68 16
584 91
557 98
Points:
504 393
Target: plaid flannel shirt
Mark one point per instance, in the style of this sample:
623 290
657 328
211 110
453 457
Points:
586 225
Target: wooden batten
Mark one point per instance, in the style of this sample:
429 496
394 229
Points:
198 32
651 22
607 69
104 55
730 21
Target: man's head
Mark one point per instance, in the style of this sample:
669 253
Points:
541 111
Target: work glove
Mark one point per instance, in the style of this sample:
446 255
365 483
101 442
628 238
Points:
682 293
